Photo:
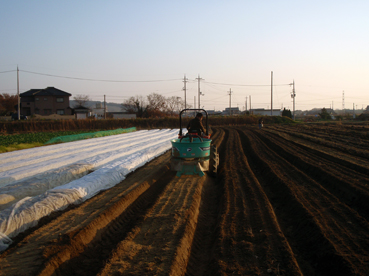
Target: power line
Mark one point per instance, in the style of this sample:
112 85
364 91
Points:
217 98
245 84
85 79
211 86
8 71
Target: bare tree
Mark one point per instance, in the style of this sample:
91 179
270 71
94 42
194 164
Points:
156 105
172 104
156 102
181 105
8 103
82 100
136 105
175 104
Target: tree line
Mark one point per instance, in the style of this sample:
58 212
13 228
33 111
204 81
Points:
154 105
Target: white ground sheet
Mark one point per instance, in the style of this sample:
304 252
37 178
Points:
35 182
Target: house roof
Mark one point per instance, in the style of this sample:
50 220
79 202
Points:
81 108
263 109
49 91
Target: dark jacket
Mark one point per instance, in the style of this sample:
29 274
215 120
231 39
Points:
196 125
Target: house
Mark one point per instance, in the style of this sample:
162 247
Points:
213 112
45 102
266 112
82 112
231 111
99 111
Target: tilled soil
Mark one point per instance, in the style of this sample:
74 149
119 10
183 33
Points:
287 201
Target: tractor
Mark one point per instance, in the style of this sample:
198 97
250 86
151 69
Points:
192 153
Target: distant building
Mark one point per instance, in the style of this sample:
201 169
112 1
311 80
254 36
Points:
45 102
98 111
213 112
266 112
231 111
82 112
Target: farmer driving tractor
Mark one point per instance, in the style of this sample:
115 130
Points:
195 125
194 153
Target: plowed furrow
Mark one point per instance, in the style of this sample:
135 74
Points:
345 147
161 243
288 200
200 261
330 237
351 161
335 136
250 241
201 256
358 137
350 186
92 259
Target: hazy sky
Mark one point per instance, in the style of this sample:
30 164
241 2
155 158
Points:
322 45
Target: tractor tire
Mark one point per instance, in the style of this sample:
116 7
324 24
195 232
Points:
214 161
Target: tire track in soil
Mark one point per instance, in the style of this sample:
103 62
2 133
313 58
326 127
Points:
201 256
328 237
250 241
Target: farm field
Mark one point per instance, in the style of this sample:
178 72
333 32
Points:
288 200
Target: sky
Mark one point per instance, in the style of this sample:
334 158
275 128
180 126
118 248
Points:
134 48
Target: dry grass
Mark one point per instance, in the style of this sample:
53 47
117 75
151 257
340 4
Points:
150 123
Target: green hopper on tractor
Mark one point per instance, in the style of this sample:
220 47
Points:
192 153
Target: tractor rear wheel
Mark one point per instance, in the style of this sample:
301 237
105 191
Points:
214 161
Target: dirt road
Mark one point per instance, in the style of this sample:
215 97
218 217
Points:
288 200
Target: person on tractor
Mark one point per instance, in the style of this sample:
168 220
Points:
195 125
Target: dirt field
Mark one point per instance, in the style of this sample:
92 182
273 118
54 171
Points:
288 200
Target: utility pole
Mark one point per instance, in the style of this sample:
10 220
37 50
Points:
230 95
104 106
353 110
18 93
250 104
343 100
246 105
199 93
194 101
293 95
185 90
271 95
